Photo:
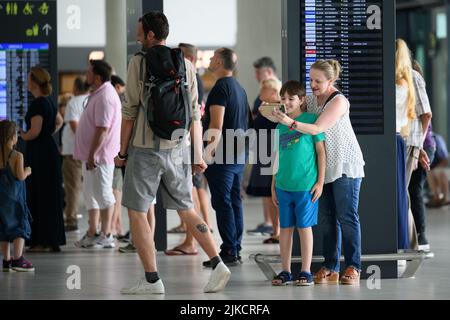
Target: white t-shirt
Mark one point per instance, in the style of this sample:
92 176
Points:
74 110
401 99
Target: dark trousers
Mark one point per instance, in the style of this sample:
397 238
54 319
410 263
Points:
416 193
225 186
402 196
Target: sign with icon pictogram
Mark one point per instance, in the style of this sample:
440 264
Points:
31 40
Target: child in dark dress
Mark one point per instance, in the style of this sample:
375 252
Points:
14 213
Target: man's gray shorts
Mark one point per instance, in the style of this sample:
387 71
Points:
148 169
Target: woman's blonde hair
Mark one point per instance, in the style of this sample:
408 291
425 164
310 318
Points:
403 71
43 79
271 84
63 99
331 68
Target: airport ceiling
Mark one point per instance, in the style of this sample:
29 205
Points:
413 4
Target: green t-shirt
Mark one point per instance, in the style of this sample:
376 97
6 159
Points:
297 169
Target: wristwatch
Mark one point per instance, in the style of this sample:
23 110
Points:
121 157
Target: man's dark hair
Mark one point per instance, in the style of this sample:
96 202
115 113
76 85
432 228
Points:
265 62
294 88
417 67
191 49
102 69
80 84
156 22
116 80
229 58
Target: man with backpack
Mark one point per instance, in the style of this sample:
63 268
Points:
159 112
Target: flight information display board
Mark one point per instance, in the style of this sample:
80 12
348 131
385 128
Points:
30 41
351 32
15 61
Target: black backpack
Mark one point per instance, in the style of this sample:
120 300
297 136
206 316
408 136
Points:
167 102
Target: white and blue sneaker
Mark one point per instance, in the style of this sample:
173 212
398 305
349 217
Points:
105 242
87 242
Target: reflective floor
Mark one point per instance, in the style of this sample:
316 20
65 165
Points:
105 272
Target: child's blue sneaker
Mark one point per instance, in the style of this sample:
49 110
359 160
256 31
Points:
284 278
305 279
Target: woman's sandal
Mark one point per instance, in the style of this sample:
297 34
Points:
350 277
305 279
326 276
178 229
282 279
271 240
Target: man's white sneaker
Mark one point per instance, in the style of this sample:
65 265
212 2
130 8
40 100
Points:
218 279
86 241
424 247
105 242
144 287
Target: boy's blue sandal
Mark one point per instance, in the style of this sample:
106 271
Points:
282 279
305 279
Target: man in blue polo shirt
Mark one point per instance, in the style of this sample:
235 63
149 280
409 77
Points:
226 119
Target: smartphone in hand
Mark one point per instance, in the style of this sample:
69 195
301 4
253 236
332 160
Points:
266 110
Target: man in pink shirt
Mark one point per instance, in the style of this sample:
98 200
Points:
97 142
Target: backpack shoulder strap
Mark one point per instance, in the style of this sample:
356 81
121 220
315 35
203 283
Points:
142 105
141 68
184 90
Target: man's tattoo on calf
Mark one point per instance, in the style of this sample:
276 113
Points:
203 228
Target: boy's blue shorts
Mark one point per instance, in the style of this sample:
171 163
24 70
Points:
297 209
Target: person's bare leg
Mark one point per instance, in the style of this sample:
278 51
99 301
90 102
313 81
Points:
307 242
19 243
94 216
274 216
189 241
204 205
116 224
5 251
106 216
188 245
267 218
181 226
151 218
285 250
143 239
200 231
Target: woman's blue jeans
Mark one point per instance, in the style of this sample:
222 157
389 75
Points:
339 221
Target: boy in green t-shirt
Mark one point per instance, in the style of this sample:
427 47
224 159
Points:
298 183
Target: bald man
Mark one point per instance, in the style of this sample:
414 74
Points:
226 119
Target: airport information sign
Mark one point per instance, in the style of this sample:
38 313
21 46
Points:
349 31
29 40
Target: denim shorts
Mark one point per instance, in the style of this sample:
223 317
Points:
297 209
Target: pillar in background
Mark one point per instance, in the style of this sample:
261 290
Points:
259 35
116 36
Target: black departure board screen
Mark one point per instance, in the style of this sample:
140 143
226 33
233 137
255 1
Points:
349 31
15 62
28 40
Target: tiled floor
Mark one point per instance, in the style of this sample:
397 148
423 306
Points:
105 272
